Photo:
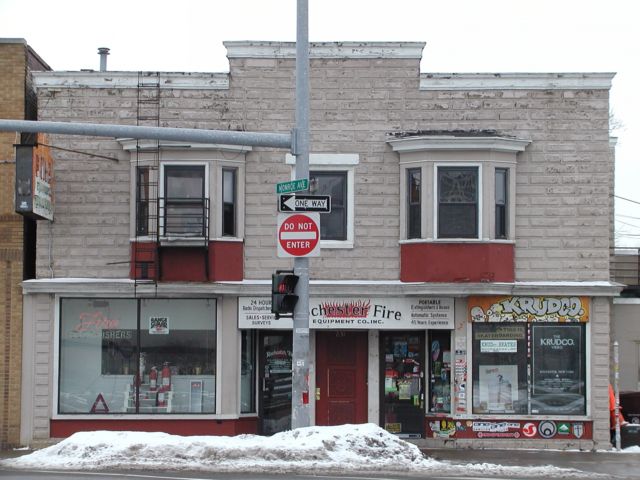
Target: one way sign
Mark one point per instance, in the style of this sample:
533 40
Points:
304 203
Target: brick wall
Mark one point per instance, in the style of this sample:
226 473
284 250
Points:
13 69
563 179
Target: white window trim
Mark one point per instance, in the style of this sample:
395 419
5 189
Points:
480 193
343 162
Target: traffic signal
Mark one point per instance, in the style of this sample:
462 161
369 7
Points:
283 300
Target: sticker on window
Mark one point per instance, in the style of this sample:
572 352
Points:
159 325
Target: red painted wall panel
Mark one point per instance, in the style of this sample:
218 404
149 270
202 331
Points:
226 261
187 264
65 428
457 262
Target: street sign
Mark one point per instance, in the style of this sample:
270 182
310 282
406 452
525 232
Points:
304 203
299 185
298 235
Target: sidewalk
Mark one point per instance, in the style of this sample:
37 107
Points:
612 463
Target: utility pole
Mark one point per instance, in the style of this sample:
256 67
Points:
300 362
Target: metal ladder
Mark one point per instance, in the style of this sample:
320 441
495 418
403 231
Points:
146 251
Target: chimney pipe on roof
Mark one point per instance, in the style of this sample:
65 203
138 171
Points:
103 52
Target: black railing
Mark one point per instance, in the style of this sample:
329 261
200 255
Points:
184 217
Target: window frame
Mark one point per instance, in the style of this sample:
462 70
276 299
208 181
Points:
414 231
329 162
501 230
162 219
478 202
234 202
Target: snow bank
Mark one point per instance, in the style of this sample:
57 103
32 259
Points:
345 448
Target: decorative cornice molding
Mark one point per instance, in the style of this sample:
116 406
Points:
516 81
457 143
79 287
260 49
168 80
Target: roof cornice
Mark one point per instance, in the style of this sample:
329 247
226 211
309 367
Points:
516 81
457 143
259 49
91 79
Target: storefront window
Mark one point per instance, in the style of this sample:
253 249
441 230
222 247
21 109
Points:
529 368
500 368
558 373
439 371
112 361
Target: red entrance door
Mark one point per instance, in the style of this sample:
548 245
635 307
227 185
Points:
341 378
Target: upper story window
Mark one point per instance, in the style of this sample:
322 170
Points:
501 196
457 188
414 203
184 207
333 225
457 202
229 202
184 193
333 175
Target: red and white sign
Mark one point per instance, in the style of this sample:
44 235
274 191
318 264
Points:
298 235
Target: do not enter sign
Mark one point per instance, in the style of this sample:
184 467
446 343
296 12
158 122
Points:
299 235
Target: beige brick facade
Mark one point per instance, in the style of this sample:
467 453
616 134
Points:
16 61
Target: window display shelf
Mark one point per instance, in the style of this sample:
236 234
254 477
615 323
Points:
148 400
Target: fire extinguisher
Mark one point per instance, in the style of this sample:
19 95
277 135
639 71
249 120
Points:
161 398
166 376
153 379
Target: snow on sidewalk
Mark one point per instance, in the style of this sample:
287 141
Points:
339 449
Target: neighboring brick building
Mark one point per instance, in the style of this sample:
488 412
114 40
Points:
462 295
17 101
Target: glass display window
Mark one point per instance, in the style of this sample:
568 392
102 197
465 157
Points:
137 356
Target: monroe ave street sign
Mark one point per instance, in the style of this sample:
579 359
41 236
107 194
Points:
299 185
304 203
298 235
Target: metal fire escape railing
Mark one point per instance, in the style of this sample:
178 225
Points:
146 250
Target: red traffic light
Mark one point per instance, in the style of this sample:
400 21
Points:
283 300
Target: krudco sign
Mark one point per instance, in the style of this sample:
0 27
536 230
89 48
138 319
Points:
355 313
528 309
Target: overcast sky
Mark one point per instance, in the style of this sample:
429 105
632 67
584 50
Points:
461 36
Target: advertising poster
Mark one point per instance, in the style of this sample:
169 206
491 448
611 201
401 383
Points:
528 309
498 387
558 377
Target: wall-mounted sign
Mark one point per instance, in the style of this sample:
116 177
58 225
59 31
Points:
360 312
528 309
34 179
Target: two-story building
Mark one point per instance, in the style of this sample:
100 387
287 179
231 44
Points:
462 294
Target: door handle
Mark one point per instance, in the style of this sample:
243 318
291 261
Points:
317 393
